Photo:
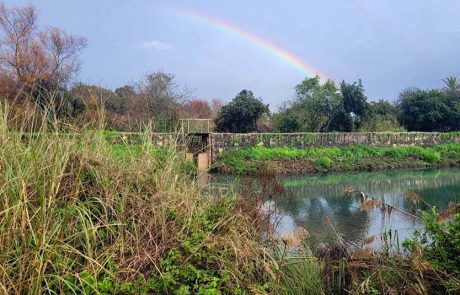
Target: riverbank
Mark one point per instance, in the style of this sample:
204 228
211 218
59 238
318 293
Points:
283 160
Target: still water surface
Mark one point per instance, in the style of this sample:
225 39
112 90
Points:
315 197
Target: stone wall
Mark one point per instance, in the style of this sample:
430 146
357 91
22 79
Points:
159 139
221 142
165 139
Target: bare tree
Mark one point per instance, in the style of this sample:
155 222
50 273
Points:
34 56
216 106
62 52
198 109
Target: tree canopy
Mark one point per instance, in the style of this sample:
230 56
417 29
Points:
241 114
322 107
429 110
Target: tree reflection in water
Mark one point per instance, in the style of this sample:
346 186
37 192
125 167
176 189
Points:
314 197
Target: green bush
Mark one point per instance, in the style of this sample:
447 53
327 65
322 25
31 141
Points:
324 162
431 156
440 241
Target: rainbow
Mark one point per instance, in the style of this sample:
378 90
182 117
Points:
263 43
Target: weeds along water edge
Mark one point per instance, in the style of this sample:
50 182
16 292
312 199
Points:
424 264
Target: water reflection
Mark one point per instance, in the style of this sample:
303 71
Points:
315 197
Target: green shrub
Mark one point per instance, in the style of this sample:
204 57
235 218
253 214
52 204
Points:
324 162
395 153
431 156
440 241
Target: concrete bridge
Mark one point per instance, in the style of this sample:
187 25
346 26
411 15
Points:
196 136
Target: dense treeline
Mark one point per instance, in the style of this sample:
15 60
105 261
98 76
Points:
326 107
37 67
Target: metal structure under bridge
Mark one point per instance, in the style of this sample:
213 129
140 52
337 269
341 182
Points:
196 135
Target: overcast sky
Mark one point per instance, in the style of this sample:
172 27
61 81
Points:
389 44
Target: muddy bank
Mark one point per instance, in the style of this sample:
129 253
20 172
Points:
305 167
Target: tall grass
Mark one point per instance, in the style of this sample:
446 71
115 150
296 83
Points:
298 271
77 219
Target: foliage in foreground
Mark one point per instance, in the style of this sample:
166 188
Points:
255 160
440 240
428 265
78 217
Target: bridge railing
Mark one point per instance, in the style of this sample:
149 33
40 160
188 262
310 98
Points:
194 126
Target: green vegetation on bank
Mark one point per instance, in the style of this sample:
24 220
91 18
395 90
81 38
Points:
259 160
162 154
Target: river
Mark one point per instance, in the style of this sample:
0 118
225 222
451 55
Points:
313 198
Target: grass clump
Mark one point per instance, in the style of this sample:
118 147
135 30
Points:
81 216
326 159
324 162
298 272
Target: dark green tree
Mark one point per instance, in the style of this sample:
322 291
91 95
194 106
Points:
382 116
286 122
355 104
241 114
429 110
316 104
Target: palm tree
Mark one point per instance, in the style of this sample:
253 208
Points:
452 84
